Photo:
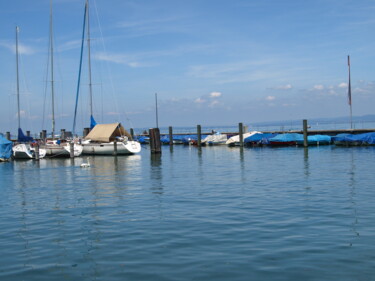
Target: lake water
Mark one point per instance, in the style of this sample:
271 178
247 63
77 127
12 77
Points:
217 213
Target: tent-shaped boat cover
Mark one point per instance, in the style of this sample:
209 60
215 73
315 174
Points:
107 132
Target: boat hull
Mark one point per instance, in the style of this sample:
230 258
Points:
62 150
25 151
123 148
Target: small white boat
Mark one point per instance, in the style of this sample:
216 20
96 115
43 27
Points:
55 148
235 140
215 139
26 151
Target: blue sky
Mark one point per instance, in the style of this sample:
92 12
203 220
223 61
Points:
211 62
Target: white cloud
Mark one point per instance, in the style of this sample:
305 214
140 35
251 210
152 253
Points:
214 103
215 95
284 87
270 98
319 87
22 49
199 100
343 85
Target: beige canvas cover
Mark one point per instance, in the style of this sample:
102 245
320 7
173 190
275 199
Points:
107 132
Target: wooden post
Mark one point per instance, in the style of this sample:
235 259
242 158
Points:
132 133
86 131
71 144
115 147
199 135
305 133
37 152
8 135
62 135
170 136
155 143
44 134
28 133
240 131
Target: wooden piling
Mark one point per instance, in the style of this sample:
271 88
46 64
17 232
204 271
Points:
44 134
71 149
240 131
37 152
155 143
86 132
28 133
115 148
62 134
305 144
7 134
132 133
170 136
199 135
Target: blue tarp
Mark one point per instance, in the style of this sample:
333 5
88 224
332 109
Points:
259 138
289 137
360 139
316 139
92 122
22 137
5 148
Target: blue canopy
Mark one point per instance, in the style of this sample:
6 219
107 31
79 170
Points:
260 138
22 137
5 148
289 137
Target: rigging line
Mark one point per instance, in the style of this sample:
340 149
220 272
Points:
46 87
80 69
116 103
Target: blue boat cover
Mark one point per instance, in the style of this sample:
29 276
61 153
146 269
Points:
22 137
316 139
287 137
5 148
365 139
261 138
92 122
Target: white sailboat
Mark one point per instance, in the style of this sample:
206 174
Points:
103 139
235 140
24 149
58 148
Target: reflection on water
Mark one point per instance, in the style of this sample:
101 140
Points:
227 213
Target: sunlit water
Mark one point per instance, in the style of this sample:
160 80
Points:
212 214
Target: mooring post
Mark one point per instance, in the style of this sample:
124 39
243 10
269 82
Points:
115 147
199 135
71 149
86 132
8 135
37 151
170 136
44 135
62 134
155 142
28 133
132 133
240 131
305 133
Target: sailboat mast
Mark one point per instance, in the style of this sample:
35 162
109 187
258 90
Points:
52 74
89 53
18 82
350 95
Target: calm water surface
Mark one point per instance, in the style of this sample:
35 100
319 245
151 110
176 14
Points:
213 214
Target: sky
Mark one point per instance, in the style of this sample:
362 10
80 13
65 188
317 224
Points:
207 62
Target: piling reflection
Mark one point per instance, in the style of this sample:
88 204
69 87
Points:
156 174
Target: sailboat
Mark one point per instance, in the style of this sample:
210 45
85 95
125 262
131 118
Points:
57 148
26 148
103 139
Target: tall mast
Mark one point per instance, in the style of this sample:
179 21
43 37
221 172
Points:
156 107
89 53
52 74
350 95
18 82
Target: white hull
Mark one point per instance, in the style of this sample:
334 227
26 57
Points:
56 150
25 151
123 148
